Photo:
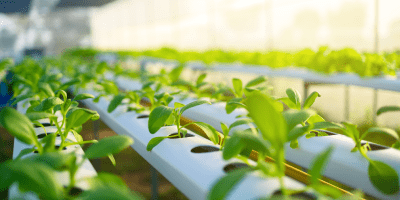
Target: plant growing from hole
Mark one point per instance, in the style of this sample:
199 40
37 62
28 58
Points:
193 87
37 173
386 109
241 92
72 119
163 115
381 175
293 102
268 141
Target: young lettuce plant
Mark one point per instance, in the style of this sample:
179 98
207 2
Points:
381 175
294 103
386 109
268 141
73 117
239 92
37 173
163 115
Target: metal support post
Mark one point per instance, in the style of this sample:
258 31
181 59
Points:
154 183
347 103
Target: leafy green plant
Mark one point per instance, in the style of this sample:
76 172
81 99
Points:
163 115
73 117
37 173
239 92
381 175
386 109
268 141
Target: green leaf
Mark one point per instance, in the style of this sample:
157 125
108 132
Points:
387 109
225 129
78 116
310 100
154 142
383 177
221 189
77 136
294 96
252 141
255 81
351 131
115 102
296 132
178 105
315 118
31 176
109 145
49 143
210 131
158 117
24 152
110 87
101 68
22 97
270 122
288 103
38 115
385 131
45 87
83 96
18 125
69 83
237 85
319 164
175 73
48 104
294 144
325 125
396 145
201 78
241 122
231 105
193 104
112 159
294 117
233 147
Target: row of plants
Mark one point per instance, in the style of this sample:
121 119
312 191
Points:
297 121
271 126
35 169
324 60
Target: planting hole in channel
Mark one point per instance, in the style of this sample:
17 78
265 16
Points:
75 191
42 135
301 195
234 166
57 147
175 135
374 147
46 124
142 116
204 149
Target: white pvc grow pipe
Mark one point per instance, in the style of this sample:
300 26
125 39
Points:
193 174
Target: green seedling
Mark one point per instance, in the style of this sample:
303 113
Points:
293 101
37 173
239 92
193 87
73 117
268 141
381 175
386 109
163 115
